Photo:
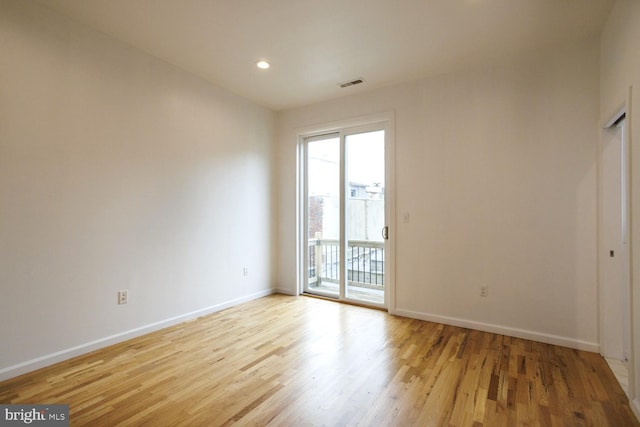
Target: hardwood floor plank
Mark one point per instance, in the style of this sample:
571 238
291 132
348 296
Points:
284 360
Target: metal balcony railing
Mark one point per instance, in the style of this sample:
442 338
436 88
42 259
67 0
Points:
365 263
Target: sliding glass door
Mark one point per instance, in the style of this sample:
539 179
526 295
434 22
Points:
345 215
365 226
323 215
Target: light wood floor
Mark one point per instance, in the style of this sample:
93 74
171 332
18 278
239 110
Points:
290 361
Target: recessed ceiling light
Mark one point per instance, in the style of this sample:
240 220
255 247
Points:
263 64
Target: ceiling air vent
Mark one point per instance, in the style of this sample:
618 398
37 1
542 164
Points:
352 82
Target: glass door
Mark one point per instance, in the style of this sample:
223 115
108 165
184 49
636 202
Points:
365 216
323 215
345 216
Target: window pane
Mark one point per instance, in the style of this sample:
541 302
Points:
323 180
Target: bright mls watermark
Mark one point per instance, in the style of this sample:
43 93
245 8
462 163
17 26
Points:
35 415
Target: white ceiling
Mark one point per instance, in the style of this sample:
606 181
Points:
315 44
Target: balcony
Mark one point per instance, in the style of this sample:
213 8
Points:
365 268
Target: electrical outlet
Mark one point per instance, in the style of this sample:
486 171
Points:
123 297
245 271
406 217
484 291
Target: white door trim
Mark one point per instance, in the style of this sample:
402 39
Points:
347 126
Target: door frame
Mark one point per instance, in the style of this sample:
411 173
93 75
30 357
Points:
383 121
621 113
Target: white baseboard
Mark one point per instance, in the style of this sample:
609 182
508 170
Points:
284 291
59 356
503 330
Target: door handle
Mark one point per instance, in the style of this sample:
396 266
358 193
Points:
385 233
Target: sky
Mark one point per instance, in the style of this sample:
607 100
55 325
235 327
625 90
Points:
365 155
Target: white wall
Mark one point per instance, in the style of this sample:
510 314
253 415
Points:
119 171
497 168
620 69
